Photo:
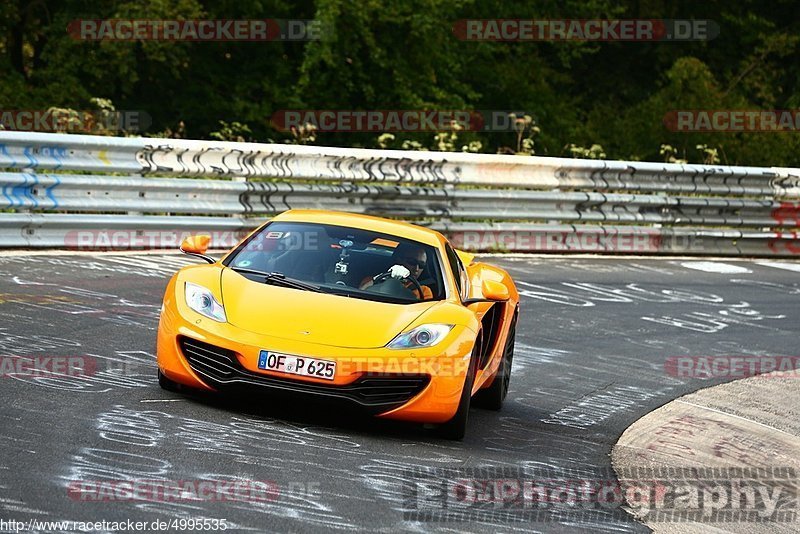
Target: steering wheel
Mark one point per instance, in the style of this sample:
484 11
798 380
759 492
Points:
385 276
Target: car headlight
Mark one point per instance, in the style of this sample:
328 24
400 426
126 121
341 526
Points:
423 336
203 302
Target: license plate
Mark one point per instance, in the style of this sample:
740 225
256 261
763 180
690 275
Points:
296 365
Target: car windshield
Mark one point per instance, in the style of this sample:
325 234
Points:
341 260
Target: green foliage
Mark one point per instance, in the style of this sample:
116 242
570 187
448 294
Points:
168 133
385 140
526 129
710 155
594 152
403 55
303 135
447 141
234 131
670 154
410 144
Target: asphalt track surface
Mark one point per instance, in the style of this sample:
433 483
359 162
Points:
592 341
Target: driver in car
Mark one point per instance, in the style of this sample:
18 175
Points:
410 261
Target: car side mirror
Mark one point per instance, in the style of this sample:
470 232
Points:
197 245
494 291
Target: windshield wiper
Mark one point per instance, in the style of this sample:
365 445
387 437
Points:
280 279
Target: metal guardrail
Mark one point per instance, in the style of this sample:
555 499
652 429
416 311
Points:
107 192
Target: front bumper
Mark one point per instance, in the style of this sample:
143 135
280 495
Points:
419 385
220 368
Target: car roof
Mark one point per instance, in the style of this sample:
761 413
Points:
365 222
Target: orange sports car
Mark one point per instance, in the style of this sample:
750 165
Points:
379 315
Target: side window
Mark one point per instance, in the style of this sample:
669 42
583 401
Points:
457 268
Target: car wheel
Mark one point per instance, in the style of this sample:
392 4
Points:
456 427
492 397
166 383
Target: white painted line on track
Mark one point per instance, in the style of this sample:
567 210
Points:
715 267
781 265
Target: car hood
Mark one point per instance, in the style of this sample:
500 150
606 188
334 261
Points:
312 317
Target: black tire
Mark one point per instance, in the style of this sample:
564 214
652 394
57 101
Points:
492 397
167 384
456 428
